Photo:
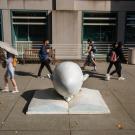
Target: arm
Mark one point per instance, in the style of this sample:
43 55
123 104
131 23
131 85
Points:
47 50
89 49
122 57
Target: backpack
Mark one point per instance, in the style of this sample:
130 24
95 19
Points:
113 57
94 49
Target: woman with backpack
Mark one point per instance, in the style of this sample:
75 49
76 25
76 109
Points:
91 55
116 57
10 72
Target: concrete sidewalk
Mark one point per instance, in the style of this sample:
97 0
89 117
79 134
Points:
119 96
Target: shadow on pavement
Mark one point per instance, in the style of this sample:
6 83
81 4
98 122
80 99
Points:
22 73
95 74
27 96
49 93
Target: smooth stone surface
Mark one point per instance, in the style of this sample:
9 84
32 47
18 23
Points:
88 101
67 79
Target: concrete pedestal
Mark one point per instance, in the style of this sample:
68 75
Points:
88 101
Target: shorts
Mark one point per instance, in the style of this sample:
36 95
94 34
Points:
10 73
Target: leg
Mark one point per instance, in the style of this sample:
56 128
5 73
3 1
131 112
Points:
12 74
13 82
119 72
108 71
119 69
41 68
86 62
109 67
113 72
6 88
48 66
6 79
94 62
15 86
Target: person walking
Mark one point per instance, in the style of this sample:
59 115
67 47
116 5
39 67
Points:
44 58
111 61
91 55
10 72
116 58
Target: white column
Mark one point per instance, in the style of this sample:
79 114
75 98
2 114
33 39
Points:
6 26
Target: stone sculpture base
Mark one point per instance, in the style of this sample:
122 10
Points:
88 101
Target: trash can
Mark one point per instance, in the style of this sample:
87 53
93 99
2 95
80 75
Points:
131 55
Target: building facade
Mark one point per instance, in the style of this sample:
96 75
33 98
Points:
68 24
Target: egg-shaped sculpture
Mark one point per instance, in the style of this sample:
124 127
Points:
67 79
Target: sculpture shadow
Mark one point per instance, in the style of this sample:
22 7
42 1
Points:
27 96
95 74
22 73
47 94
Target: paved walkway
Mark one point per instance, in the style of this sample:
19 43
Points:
119 96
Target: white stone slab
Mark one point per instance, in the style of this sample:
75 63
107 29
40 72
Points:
88 101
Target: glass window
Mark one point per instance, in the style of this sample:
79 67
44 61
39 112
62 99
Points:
0 26
29 26
130 27
21 32
100 27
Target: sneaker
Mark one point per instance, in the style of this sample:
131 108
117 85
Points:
121 78
15 90
85 77
107 77
50 76
6 89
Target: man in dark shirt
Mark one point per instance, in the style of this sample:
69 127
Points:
44 58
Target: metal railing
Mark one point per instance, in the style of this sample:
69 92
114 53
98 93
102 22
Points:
21 46
103 50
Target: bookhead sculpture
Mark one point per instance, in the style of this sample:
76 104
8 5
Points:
68 79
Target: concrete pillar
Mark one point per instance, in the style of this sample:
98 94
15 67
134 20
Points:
64 4
79 33
121 26
6 26
66 34
50 26
3 4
